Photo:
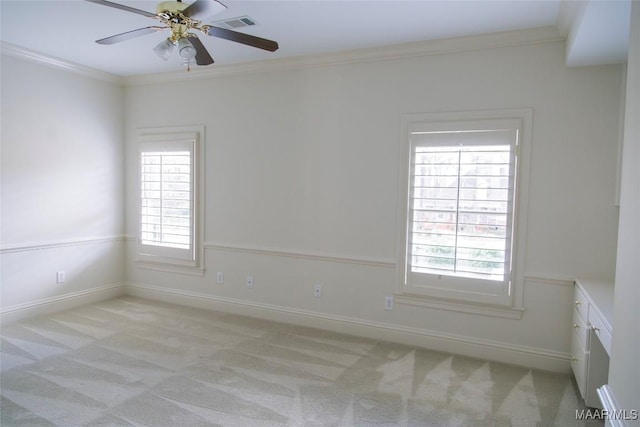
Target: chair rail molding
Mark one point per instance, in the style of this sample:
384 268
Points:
52 244
295 253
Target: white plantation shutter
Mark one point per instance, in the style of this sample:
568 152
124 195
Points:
167 199
461 208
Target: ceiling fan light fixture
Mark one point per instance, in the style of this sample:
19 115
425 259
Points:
164 49
186 50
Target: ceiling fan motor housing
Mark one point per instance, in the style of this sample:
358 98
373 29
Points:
171 6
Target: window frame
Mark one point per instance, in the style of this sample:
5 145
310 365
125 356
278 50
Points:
452 292
158 257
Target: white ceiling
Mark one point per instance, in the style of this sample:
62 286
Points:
597 31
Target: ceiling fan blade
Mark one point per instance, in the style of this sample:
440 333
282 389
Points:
202 55
123 7
130 35
243 38
201 9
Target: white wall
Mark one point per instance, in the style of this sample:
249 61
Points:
62 184
624 367
302 182
301 188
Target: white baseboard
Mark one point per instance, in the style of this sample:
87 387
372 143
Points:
59 303
457 344
612 413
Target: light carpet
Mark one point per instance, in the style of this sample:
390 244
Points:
134 362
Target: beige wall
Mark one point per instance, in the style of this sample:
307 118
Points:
302 188
62 183
624 367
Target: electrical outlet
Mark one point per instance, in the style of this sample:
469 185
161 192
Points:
388 303
317 290
219 277
249 281
60 276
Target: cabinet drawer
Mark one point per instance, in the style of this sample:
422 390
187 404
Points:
601 331
579 363
581 303
580 328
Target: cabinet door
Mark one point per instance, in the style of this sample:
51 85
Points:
579 361
600 330
597 372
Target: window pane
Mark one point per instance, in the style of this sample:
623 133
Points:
166 199
460 202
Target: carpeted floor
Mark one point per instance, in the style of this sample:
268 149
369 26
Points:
133 362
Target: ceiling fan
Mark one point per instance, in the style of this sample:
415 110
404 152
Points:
181 19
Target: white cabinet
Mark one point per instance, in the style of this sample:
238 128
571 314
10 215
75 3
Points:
591 337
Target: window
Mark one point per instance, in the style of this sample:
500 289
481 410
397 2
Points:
166 200
169 198
460 200
461 203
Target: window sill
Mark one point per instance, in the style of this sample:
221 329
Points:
169 268
462 307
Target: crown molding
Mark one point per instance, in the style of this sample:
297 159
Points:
384 53
40 58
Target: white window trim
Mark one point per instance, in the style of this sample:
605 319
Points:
508 303
168 135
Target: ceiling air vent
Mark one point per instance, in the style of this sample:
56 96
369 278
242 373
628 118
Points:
233 23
